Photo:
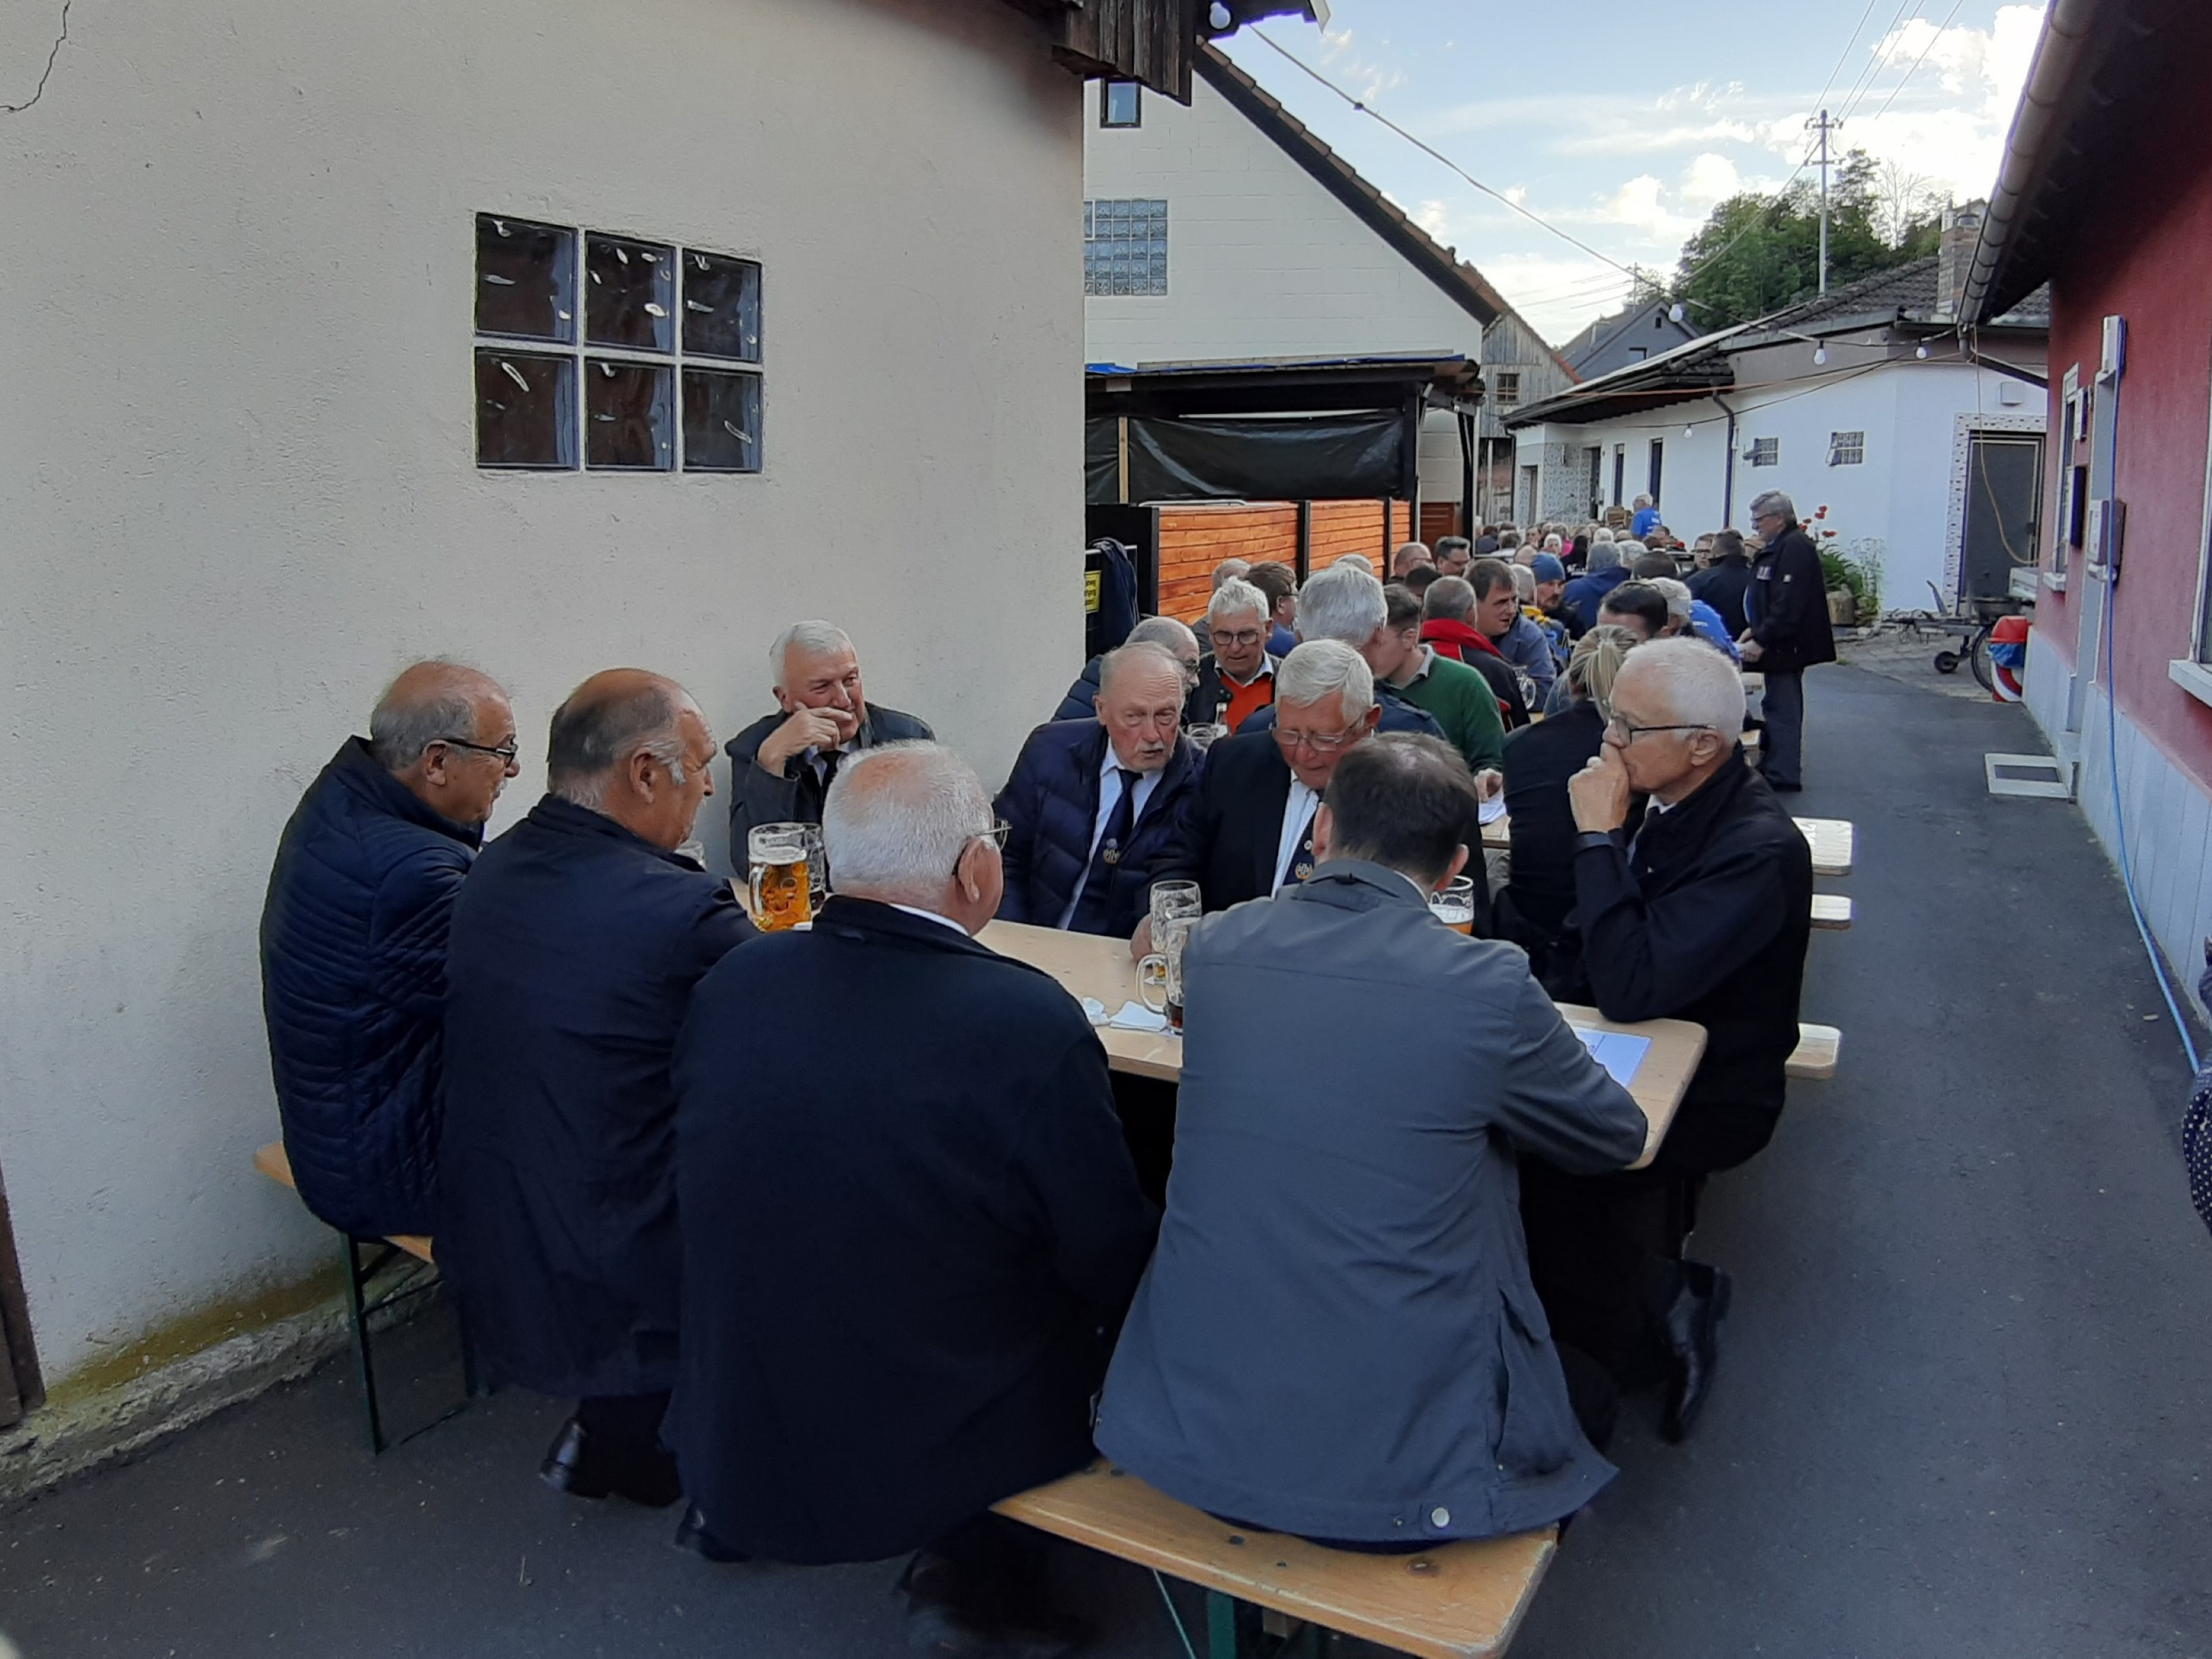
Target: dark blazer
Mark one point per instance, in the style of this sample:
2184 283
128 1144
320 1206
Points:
1226 838
575 946
795 796
1539 761
1337 1336
1209 699
905 1258
1051 801
1707 918
353 987
1786 603
1721 585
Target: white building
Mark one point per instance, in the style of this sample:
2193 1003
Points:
254 255
1228 233
1863 405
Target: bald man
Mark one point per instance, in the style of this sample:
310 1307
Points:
574 949
353 943
1089 803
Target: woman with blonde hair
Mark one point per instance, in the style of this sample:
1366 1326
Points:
1532 909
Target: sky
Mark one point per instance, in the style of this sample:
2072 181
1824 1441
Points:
1622 123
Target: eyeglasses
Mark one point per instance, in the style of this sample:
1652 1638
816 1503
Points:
506 751
996 835
1319 743
1630 733
1244 638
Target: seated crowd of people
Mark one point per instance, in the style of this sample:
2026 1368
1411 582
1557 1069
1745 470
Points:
839 1296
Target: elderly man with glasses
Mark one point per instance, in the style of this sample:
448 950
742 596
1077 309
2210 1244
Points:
1236 675
1785 605
353 945
906 1256
1701 912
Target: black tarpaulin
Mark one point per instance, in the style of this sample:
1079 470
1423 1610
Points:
1355 456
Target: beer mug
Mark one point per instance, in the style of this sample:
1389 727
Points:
1161 973
1454 904
1171 899
1204 736
817 867
781 895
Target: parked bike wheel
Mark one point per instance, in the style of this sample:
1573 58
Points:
1984 669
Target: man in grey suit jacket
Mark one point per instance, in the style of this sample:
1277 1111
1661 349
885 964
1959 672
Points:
1337 1337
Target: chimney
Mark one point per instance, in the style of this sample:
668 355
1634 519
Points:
1955 256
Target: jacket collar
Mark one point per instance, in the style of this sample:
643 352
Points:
863 919
565 817
1356 885
1090 756
360 773
1688 823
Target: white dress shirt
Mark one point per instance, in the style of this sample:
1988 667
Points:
1109 797
1300 807
931 915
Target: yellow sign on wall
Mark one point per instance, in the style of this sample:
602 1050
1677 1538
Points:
1090 591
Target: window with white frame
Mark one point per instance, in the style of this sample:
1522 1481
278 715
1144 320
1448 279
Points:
1767 452
613 352
1125 246
1847 449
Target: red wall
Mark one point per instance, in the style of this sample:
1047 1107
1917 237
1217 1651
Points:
2144 252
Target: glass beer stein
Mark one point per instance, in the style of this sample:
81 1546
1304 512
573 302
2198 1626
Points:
1160 975
782 891
1454 904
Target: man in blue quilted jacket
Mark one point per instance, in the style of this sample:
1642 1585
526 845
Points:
353 943
1089 804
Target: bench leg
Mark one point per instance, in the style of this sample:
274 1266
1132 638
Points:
1221 1623
355 1286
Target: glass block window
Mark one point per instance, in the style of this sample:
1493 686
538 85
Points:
663 375
1125 246
1847 449
1767 452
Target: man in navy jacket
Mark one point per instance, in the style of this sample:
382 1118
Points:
1089 804
576 945
353 945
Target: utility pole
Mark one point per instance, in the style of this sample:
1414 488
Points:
1824 127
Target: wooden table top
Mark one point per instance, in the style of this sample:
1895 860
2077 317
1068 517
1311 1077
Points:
1089 966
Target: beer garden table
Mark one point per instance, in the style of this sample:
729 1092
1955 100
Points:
1100 969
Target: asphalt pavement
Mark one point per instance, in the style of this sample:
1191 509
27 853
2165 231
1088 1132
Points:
1962 1409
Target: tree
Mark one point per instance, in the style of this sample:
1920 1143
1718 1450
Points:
1908 206
1755 254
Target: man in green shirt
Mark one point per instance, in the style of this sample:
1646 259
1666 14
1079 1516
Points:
1453 695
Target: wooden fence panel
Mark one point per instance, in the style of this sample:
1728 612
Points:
1195 539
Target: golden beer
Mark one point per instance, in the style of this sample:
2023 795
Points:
781 889
1454 904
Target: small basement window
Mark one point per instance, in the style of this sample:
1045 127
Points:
1121 103
1767 452
1846 449
662 377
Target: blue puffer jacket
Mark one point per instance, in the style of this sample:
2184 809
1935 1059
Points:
353 985
1051 802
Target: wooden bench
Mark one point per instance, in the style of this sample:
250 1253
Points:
274 1162
1814 1059
1833 841
1458 1600
1831 910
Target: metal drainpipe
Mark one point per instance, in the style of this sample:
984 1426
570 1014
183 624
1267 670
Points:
1727 473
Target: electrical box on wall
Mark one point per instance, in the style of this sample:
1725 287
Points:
2114 354
2103 535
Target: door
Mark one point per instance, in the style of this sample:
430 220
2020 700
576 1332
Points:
1527 513
21 1388
2004 499
1597 480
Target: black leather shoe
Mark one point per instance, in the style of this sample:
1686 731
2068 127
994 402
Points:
1693 1330
692 1534
578 1465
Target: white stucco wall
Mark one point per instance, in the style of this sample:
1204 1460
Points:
238 488
1904 496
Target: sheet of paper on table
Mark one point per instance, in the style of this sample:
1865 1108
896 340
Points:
1493 809
1136 1017
1617 1051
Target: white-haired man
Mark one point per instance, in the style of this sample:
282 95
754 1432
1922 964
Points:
1645 519
781 765
575 943
1236 675
1701 912
905 1257
1345 602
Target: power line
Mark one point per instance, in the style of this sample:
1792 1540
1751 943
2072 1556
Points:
1845 52
1865 78
1918 61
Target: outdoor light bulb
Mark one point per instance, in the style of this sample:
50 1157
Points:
1218 17
1675 312
1689 431
1819 353
1921 352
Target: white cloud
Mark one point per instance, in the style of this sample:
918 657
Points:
1366 78
1710 179
1558 294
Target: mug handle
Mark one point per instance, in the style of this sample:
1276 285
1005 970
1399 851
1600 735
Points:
1152 971
753 886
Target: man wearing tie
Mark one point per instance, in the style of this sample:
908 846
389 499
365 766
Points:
1089 803
780 766
1248 829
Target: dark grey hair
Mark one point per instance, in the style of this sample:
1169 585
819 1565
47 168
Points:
1403 801
404 724
1774 501
590 740
1449 598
